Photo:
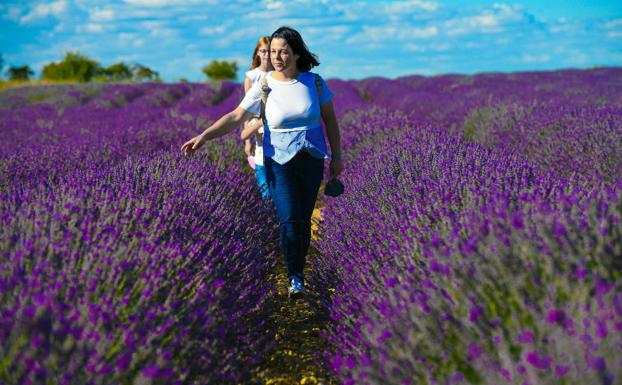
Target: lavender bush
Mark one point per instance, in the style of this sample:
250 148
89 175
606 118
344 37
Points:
569 139
124 262
472 252
456 262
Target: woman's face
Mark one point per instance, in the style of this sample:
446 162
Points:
264 55
282 56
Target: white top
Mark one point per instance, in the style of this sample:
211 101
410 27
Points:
292 107
255 76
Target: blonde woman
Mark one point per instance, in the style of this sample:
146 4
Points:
253 147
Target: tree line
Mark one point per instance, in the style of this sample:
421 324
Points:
81 68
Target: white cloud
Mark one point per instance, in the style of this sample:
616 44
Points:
151 24
127 39
440 47
126 36
613 24
148 3
528 58
392 34
42 10
331 33
210 31
407 6
163 3
489 21
12 12
422 33
94 28
614 28
272 5
577 56
166 33
98 14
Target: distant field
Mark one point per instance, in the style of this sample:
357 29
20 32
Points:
479 239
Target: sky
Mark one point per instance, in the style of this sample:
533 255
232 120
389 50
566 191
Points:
353 39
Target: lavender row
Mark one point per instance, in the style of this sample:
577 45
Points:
151 270
41 143
477 267
573 140
446 100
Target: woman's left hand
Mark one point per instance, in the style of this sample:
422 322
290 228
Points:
336 167
192 145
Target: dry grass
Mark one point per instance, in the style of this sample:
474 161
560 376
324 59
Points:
4 84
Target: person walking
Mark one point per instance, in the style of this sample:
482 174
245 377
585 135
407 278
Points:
253 147
294 143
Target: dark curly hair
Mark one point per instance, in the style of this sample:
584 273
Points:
307 59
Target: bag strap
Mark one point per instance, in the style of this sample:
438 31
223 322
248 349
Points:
264 97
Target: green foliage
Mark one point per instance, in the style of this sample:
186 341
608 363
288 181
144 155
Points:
74 66
141 73
221 70
118 72
20 73
78 67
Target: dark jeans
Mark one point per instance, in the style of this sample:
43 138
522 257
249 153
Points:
293 188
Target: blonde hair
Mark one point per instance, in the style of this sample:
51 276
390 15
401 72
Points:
264 40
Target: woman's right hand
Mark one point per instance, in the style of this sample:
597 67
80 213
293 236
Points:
250 128
192 145
249 147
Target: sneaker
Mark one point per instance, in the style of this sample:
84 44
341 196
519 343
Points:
296 288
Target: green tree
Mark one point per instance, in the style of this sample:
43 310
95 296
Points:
141 73
1 63
20 73
74 66
118 72
221 70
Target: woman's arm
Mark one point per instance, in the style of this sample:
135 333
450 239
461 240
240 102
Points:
222 126
250 128
334 137
247 84
249 146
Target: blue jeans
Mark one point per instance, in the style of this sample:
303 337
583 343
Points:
262 182
293 188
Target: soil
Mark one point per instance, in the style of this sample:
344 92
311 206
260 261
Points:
298 356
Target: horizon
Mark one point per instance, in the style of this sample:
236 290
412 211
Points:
354 40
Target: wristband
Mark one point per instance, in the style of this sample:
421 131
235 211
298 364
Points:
336 155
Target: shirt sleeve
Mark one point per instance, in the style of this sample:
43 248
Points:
326 95
252 100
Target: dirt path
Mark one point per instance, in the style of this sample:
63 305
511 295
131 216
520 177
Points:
297 357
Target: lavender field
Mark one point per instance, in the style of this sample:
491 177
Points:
479 240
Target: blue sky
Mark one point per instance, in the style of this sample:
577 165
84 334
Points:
353 39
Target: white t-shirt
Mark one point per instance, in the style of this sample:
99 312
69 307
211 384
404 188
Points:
292 107
255 76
